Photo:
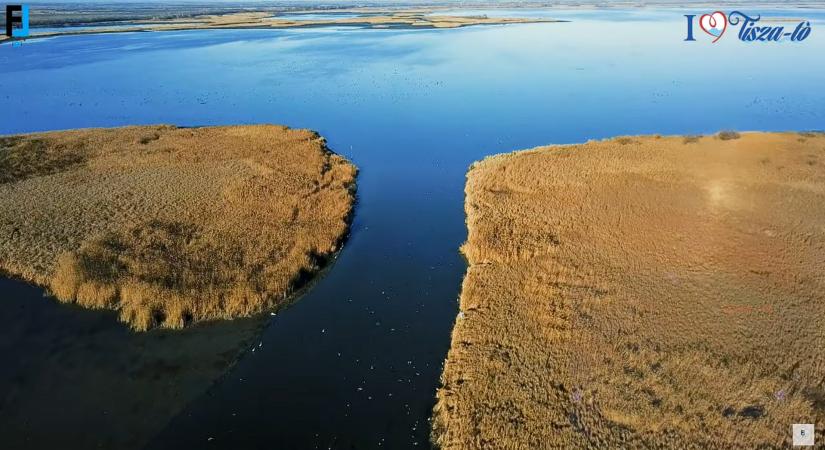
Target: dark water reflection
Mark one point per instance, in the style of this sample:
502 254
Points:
73 378
355 363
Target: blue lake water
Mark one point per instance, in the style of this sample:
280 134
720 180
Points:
631 14
355 363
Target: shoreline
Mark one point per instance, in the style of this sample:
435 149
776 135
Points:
374 17
549 317
214 265
401 19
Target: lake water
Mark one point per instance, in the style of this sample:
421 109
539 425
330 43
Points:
355 363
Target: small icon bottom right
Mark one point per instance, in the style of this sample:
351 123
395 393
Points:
803 435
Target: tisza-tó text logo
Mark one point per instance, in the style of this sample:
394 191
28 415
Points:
716 23
12 18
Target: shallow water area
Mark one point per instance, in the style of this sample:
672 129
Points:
355 363
620 14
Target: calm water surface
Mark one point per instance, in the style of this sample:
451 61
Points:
355 364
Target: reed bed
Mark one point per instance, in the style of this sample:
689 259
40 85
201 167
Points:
171 226
645 292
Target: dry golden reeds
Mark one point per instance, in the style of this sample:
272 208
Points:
168 225
653 295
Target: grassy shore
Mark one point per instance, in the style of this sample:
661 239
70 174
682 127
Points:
641 292
171 226
262 19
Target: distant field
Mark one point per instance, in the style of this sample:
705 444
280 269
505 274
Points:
171 226
89 13
66 14
641 292
405 19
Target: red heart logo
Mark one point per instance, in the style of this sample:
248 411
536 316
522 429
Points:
714 24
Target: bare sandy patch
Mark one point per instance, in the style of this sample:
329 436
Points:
641 292
168 225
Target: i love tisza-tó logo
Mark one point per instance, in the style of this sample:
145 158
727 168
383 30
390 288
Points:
715 25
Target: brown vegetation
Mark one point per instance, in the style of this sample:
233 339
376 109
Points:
170 225
240 20
727 135
641 294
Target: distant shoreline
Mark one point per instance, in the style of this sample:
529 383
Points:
129 18
378 19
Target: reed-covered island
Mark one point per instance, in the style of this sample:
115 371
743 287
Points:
369 18
171 226
641 292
